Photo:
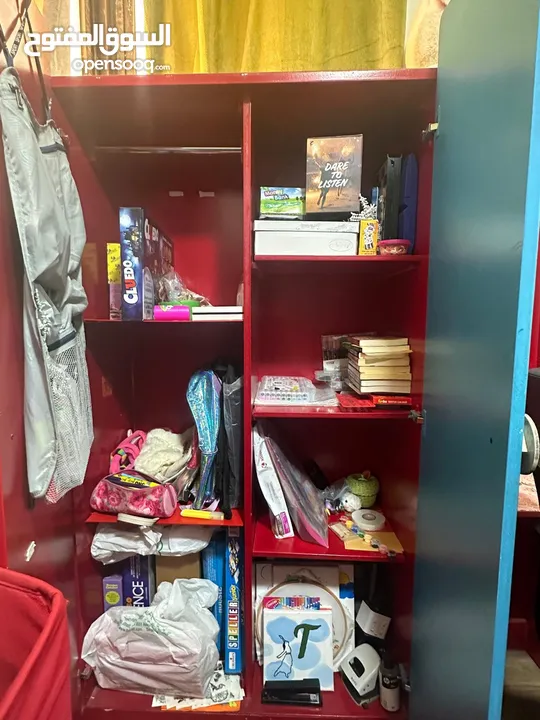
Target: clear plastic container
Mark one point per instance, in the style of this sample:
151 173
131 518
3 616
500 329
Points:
286 390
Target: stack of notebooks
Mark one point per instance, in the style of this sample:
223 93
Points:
379 365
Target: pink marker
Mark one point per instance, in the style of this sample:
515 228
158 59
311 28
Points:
172 313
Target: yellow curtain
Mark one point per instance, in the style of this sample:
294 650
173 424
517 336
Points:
111 13
279 35
56 14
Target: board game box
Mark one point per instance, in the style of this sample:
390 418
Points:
282 202
114 280
233 602
146 254
138 580
333 174
213 563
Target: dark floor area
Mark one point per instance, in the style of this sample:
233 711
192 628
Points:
521 687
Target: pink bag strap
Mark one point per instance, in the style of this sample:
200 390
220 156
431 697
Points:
123 457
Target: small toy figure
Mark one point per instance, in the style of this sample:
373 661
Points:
350 502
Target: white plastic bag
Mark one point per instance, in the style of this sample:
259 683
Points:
167 648
113 542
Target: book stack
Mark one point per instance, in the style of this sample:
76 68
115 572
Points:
379 365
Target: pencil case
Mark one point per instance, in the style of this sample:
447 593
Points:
134 494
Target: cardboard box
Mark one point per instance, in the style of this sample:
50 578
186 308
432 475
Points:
306 243
114 280
213 566
138 581
144 253
233 602
351 226
333 174
113 594
169 569
368 238
282 202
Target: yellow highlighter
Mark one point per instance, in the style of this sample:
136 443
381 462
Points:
202 514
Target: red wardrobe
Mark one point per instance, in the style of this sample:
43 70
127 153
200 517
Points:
137 141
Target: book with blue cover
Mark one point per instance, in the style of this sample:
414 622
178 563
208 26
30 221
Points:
213 565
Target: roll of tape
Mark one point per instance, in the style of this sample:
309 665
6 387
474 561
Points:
368 520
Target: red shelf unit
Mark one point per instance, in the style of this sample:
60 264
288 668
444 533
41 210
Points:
266 545
138 378
176 519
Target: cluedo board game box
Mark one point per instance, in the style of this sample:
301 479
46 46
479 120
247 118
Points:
333 174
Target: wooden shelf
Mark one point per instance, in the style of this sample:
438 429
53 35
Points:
379 260
209 80
335 413
224 319
176 519
337 704
211 103
266 545
378 265
104 704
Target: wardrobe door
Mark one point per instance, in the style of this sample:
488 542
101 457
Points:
484 235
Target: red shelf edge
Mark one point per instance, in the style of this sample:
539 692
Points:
336 705
256 78
266 545
159 322
368 259
176 519
335 413
529 514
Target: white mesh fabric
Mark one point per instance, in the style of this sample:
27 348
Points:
72 410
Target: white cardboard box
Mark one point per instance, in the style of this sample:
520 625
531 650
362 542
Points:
307 226
305 243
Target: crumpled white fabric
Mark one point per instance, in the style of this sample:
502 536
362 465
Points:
113 543
168 647
164 454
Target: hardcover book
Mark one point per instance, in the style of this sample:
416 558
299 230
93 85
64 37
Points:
333 174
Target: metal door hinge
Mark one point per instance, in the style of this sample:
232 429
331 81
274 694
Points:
417 417
430 132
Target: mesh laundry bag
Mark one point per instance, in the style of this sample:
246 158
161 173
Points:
34 652
50 224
